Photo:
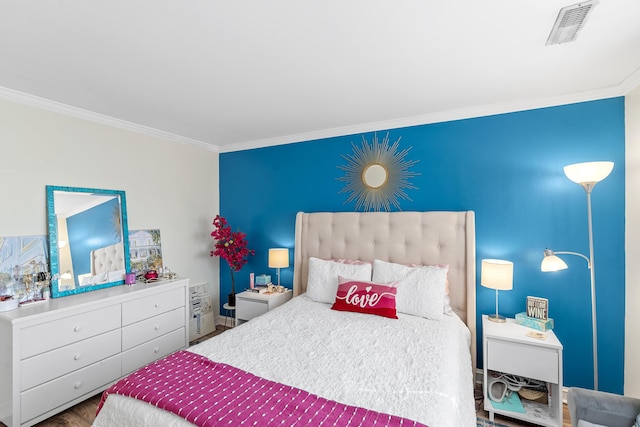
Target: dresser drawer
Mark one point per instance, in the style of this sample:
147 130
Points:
46 397
53 364
142 308
152 350
151 328
529 361
48 336
248 309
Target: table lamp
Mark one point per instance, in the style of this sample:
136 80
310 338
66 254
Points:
497 274
278 258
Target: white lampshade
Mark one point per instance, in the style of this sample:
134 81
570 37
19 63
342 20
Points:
589 172
551 262
497 274
279 258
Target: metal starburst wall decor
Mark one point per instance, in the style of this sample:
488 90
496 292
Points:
377 175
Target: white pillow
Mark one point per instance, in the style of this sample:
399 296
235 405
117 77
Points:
421 290
322 283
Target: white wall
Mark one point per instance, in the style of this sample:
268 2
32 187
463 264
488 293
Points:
632 310
169 186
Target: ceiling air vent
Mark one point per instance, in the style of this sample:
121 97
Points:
569 21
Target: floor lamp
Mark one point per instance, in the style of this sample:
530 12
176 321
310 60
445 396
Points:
587 175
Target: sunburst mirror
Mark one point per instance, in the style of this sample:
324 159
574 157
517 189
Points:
377 175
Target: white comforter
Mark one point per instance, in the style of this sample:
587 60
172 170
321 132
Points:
411 367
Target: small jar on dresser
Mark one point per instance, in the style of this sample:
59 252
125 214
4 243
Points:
253 304
509 348
60 352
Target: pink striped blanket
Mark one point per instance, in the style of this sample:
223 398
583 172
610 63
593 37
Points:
208 393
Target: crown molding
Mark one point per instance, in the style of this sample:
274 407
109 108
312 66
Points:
460 114
444 116
58 107
631 82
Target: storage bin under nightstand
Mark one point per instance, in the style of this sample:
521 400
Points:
253 304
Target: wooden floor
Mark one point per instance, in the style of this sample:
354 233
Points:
83 414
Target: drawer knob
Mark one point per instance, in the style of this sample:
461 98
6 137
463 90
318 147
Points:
156 349
156 305
77 385
76 357
77 329
156 327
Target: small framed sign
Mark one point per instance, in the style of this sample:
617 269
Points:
538 308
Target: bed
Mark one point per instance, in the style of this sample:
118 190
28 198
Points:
410 369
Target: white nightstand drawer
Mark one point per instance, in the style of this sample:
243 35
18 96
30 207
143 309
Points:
49 396
154 327
521 359
47 366
248 309
152 350
142 308
50 335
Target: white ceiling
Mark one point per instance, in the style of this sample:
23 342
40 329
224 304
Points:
228 75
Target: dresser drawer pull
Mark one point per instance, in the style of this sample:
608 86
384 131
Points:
77 329
76 357
156 327
156 305
156 349
77 385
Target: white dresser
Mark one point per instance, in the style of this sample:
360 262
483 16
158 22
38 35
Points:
60 352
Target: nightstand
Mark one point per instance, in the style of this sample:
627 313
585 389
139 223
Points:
507 349
253 304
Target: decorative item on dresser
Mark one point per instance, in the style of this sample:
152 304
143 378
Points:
344 356
65 350
587 175
88 239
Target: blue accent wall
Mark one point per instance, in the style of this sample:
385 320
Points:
508 169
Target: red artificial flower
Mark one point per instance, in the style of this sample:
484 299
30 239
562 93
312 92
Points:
231 246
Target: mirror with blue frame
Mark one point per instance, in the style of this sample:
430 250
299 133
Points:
88 239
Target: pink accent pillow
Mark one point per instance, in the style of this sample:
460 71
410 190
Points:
366 297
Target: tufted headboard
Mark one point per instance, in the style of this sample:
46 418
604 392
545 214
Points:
424 238
107 259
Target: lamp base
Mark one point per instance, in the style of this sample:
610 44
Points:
496 318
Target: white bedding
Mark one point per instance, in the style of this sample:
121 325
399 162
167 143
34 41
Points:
411 367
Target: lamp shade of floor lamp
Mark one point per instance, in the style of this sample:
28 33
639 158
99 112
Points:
278 258
497 274
587 175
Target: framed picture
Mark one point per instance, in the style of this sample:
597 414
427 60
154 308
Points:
538 308
145 250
